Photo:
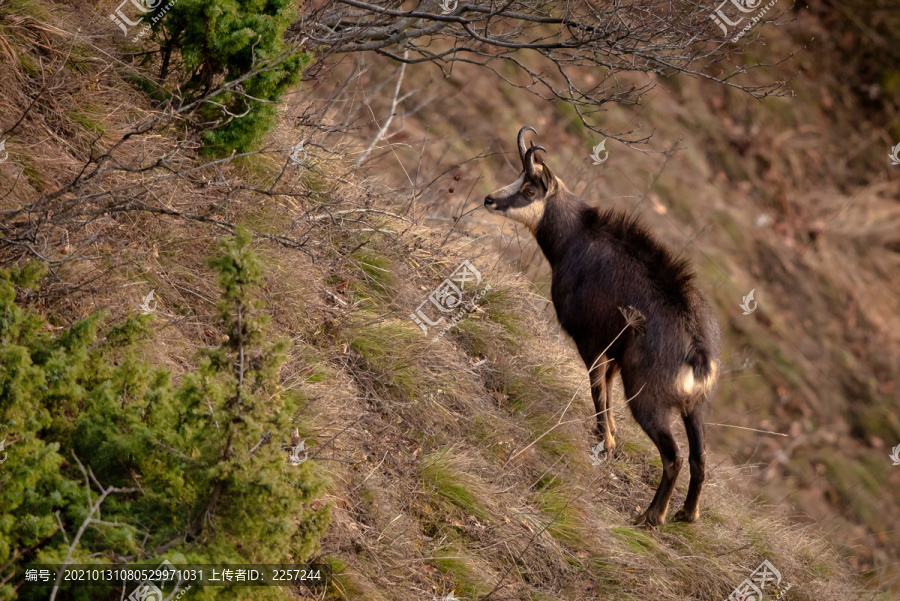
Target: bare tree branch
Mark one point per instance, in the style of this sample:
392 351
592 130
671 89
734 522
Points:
94 508
573 39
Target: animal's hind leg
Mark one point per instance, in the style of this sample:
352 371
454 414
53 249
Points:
600 393
655 422
693 423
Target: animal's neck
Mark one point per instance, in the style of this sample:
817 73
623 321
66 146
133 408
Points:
560 227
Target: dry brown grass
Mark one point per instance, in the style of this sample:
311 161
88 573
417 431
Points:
819 357
448 470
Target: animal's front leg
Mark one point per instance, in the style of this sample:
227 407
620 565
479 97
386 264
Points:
610 375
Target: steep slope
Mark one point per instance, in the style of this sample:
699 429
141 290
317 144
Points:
462 464
792 198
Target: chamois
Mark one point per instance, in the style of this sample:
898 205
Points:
632 307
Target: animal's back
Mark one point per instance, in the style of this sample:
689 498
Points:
619 263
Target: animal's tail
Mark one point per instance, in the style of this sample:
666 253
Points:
700 364
700 371
698 375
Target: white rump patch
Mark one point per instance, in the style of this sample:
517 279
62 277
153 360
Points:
687 384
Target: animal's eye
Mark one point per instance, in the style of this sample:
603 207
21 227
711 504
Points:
529 191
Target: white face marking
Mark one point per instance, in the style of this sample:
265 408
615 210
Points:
529 215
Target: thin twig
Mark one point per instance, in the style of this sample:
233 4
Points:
750 429
382 131
95 508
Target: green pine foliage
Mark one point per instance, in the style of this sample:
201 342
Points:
199 467
220 41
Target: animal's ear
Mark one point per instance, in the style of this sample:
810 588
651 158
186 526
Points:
548 179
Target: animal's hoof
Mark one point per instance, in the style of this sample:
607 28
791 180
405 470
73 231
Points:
606 445
611 449
683 516
649 520
617 452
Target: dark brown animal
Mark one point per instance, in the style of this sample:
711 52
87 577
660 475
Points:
632 307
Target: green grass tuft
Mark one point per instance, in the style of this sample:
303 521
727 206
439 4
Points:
468 583
377 276
566 525
450 483
638 541
382 346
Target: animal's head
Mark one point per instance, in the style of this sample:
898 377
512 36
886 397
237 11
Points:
525 200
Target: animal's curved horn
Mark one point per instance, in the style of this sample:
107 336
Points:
520 139
528 162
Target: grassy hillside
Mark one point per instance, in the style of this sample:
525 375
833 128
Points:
792 197
464 464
